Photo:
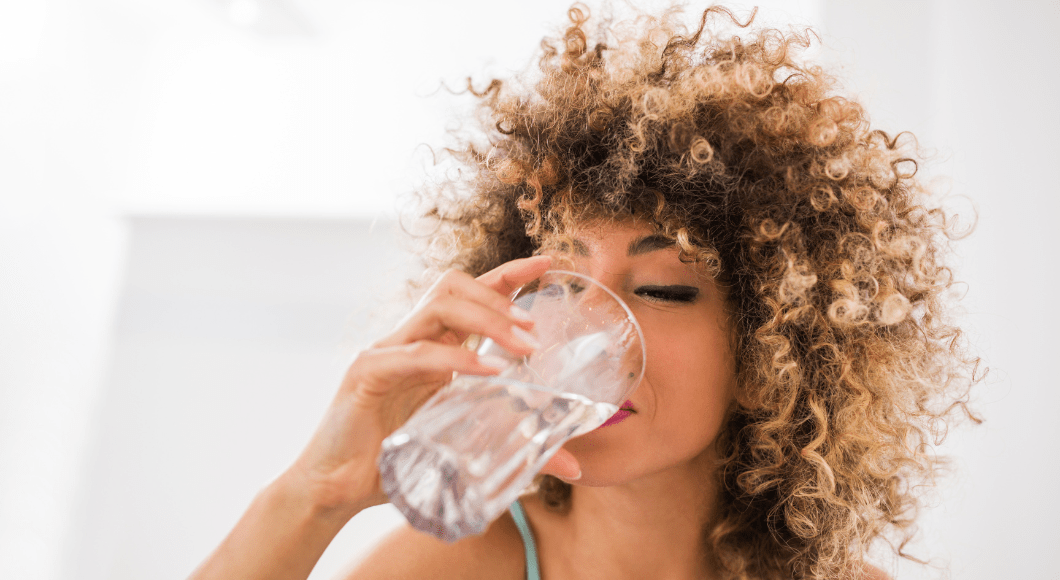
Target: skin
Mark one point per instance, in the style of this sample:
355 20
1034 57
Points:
643 489
290 523
646 487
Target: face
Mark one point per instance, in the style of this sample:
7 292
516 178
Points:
679 406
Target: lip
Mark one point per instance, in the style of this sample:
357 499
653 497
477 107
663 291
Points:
621 415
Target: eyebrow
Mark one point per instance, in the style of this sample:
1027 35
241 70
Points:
649 244
636 247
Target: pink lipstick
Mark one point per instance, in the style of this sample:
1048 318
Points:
625 411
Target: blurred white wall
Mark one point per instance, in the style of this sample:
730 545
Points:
187 196
230 338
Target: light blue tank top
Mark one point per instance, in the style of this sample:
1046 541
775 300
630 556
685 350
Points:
533 572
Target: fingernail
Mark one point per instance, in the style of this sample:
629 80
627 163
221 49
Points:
525 337
570 479
495 362
520 314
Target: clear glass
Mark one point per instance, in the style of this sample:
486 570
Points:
474 446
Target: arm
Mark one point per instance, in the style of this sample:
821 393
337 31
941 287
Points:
290 523
281 536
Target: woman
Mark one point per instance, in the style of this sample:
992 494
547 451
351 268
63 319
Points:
788 278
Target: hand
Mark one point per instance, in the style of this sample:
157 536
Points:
390 380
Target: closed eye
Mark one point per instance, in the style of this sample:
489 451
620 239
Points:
673 294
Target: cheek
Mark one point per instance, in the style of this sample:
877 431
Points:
691 377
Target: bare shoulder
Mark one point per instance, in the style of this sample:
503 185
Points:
408 553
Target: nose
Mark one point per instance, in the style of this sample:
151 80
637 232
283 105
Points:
594 296
605 270
579 298
600 332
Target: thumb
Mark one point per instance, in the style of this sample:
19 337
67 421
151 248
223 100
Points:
563 465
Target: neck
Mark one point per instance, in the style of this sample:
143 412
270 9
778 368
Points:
649 528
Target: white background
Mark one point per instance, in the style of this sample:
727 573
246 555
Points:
197 203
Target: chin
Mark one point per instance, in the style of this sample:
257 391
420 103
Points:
604 460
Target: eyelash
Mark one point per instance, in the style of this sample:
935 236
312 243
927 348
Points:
667 294
675 295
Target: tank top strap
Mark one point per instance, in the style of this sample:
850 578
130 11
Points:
533 571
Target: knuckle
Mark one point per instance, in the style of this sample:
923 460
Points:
441 284
439 303
418 349
362 359
361 366
429 306
451 277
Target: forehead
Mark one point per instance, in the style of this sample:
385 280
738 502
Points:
639 241
630 237
635 246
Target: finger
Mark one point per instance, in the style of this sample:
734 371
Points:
447 313
462 285
563 465
508 277
381 370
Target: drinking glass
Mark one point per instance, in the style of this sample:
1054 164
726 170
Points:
475 445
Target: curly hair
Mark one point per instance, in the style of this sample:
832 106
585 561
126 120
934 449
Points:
848 362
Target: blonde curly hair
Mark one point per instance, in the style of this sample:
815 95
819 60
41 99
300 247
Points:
847 362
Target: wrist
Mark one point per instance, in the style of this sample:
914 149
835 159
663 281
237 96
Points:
294 495
319 499
281 535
